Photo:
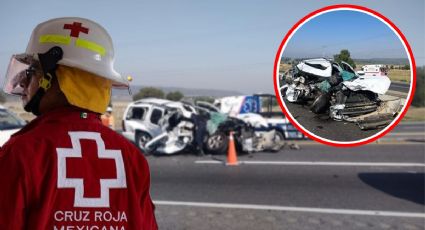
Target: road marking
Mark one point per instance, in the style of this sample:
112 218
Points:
319 163
292 209
407 134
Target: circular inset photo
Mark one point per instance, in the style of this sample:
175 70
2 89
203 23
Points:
344 75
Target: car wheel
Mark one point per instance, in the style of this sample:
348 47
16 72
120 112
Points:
217 143
141 139
321 104
278 140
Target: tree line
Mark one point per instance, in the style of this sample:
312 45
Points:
157 93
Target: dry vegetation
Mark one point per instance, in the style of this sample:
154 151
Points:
399 75
283 67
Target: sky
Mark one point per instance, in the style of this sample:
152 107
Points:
363 35
229 45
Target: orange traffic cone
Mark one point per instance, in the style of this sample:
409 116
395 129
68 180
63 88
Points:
232 158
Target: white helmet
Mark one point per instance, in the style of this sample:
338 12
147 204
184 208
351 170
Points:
85 44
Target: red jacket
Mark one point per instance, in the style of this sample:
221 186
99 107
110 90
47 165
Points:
65 170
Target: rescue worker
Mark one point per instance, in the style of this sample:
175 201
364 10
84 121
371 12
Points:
108 119
200 121
65 170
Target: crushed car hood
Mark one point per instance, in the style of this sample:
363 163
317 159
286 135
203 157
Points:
319 67
376 84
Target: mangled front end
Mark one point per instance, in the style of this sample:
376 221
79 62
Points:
385 113
338 90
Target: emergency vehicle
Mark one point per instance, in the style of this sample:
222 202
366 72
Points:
375 70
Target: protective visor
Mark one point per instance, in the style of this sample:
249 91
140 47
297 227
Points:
21 68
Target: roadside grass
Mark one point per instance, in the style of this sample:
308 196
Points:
399 75
284 67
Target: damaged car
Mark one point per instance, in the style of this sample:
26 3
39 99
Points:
265 127
164 127
336 89
159 126
141 120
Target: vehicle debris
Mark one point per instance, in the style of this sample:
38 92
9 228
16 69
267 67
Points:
339 91
160 126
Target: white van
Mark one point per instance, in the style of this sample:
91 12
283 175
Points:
375 70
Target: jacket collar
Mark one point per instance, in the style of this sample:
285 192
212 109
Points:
68 113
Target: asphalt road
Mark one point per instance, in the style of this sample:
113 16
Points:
407 127
378 186
400 87
408 131
323 126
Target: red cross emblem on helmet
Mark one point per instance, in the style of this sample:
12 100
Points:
76 28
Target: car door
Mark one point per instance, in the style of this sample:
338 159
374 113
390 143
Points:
347 67
152 120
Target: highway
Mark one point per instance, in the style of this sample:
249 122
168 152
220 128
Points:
325 127
407 131
378 186
400 87
322 126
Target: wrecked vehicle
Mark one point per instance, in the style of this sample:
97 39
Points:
219 127
264 105
246 131
263 136
265 129
251 134
141 120
161 126
177 134
339 91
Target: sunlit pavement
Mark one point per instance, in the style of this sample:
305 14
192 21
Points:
379 186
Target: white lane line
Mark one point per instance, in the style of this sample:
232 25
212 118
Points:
407 134
292 209
319 163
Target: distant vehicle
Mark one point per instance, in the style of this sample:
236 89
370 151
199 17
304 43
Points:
374 70
9 124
